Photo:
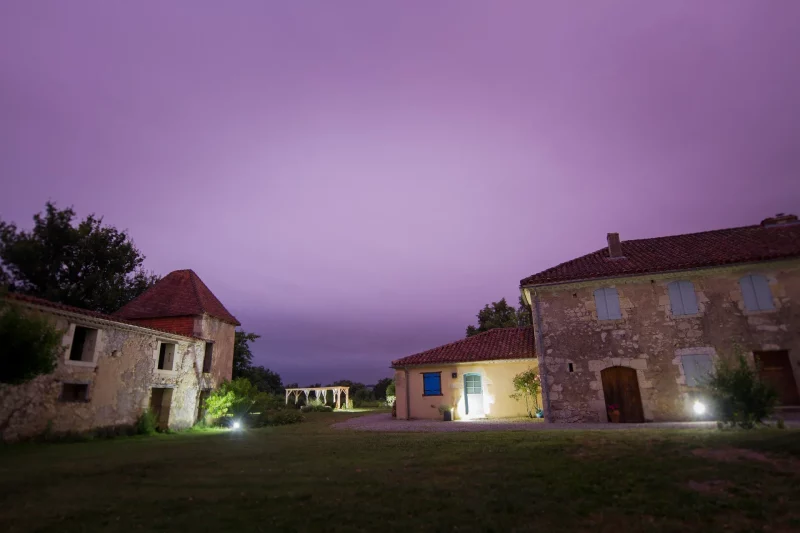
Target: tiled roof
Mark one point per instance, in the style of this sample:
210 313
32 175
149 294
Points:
180 293
680 252
500 343
32 300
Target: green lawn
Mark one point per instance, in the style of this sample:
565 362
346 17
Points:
309 477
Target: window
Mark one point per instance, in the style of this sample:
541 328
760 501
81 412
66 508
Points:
166 356
83 343
682 298
74 392
607 302
756 293
472 384
696 368
432 384
571 367
208 356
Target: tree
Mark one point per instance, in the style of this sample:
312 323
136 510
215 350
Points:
90 265
501 315
264 379
527 386
380 388
741 398
29 345
242 355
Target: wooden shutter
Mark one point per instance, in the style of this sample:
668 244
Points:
762 292
696 368
748 293
600 303
612 303
688 297
675 299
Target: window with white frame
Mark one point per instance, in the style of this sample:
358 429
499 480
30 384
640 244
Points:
756 293
607 303
682 298
696 368
83 344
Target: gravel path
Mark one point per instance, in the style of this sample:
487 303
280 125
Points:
385 422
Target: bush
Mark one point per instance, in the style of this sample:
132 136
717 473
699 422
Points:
146 424
741 398
390 400
232 399
527 386
283 418
316 408
29 345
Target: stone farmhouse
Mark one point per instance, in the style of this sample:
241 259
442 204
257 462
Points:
637 324
164 351
640 323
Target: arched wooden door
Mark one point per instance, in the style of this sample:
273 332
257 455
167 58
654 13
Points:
621 387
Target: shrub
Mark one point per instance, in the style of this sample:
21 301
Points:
527 386
146 424
390 400
232 399
741 398
391 390
29 345
312 408
283 418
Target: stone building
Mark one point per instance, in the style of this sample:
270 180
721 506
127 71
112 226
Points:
165 351
640 323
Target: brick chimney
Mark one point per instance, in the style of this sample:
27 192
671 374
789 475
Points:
614 246
779 219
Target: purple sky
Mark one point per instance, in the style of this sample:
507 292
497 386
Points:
355 179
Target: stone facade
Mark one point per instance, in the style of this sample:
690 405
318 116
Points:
120 368
574 346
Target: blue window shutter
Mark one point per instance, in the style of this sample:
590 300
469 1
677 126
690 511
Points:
748 293
600 303
612 303
689 297
675 300
432 384
696 368
763 294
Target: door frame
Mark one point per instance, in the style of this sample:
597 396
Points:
466 399
635 411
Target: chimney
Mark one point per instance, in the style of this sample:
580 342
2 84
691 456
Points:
779 220
614 247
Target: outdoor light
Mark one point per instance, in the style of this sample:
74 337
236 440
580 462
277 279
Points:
237 425
699 408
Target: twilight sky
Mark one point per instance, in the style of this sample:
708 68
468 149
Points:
355 179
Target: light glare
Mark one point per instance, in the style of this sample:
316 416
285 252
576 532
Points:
236 425
699 408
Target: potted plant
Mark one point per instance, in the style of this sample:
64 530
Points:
613 413
447 412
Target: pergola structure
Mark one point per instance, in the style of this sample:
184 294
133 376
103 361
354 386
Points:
320 393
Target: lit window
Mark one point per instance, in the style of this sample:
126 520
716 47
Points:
607 303
682 298
756 293
432 384
696 368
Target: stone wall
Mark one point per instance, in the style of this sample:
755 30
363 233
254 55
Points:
120 376
650 340
223 335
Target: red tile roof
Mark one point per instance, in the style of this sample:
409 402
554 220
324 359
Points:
500 343
680 252
32 300
180 293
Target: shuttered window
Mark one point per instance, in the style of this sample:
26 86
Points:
756 293
432 384
682 298
472 383
607 302
696 368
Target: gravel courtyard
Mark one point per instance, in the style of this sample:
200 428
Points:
385 422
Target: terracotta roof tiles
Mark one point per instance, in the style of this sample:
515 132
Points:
500 343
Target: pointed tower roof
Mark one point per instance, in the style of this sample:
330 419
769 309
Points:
179 293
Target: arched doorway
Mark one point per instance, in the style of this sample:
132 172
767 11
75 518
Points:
621 387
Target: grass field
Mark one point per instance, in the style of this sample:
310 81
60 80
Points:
309 477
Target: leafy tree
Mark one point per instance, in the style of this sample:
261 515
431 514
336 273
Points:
87 265
391 390
231 398
354 386
526 387
380 388
29 345
242 355
501 315
741 398
264 379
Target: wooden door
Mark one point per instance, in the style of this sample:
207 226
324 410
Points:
775 368
621 387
